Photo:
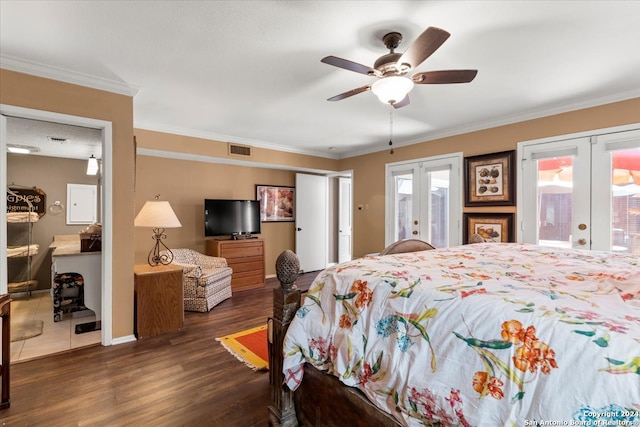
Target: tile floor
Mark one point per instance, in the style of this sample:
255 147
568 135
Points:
56 336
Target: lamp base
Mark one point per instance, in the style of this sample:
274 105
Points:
155 257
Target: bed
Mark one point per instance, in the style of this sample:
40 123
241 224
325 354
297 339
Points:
489 334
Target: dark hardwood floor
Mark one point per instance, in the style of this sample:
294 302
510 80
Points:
183 378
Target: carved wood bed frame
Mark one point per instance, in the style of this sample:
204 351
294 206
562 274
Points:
321 399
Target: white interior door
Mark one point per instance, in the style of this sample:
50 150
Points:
582 192
311 221
344 219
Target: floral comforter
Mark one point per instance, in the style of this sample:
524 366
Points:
491 334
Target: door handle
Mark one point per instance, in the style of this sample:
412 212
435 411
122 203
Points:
582 242
415 232
298 229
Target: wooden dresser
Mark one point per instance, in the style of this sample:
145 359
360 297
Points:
158 300
245 257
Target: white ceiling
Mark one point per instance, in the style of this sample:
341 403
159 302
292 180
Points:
250 72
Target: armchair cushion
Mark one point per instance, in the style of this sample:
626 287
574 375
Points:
189 270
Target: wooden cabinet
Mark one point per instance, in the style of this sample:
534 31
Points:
245 257
158 300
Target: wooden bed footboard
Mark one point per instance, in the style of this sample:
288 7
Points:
321 399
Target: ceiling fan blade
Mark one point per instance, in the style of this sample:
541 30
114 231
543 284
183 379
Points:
422 47
444 77
350 93
350 65
402 103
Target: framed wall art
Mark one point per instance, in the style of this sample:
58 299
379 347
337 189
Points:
497 228
276 203
490 179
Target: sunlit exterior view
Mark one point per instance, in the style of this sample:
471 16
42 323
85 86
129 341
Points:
556 195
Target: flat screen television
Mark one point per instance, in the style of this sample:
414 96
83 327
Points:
235 218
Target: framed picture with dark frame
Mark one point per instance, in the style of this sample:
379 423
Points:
490 179
276 203
493 227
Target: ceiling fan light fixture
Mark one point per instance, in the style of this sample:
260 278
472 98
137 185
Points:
392 89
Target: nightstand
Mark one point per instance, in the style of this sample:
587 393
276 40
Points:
158 300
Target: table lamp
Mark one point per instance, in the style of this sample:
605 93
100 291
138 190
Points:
157 214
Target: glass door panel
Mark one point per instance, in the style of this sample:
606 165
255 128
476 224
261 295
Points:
582 193
438 220
403 202
555 196
555 208
625 200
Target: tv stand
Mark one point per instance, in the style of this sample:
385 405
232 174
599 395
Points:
245 256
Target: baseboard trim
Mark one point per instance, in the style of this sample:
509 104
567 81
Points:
123 340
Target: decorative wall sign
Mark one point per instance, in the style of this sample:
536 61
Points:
276 203
490 179
21 198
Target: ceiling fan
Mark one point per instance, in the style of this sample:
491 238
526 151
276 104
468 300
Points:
393 87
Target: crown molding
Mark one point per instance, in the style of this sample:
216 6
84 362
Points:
531 114
19 65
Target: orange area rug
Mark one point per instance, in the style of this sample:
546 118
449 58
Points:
249 346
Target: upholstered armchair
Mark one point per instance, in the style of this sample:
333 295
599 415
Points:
206 280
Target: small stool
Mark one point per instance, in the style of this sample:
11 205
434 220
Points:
68 294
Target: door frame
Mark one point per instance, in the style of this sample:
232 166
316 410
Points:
417 165
342 209
594 133
106 205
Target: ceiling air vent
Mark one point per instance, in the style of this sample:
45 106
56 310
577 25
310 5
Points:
240 150
57 139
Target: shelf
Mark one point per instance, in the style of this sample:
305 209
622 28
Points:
26 286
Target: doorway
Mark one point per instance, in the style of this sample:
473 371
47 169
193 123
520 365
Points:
582 191
106 204
424 200
345 218
311 221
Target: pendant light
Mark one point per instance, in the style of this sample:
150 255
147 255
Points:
92 166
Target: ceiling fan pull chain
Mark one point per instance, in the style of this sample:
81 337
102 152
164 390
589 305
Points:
391 128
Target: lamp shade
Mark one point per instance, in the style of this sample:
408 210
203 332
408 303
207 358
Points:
157 214
392 89
92 166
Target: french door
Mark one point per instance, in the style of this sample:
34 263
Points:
582 192
424 201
